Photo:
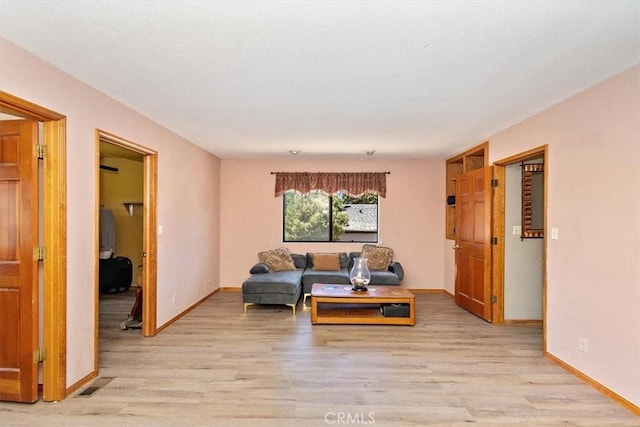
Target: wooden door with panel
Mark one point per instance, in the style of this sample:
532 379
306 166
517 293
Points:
473 242
18 265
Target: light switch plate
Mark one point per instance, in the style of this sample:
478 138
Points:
517 230
554 233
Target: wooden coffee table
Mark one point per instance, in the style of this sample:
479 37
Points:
339 304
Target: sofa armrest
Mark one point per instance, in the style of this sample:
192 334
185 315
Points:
396 267
259 268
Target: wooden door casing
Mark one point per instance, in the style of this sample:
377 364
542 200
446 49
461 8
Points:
18 268
473 235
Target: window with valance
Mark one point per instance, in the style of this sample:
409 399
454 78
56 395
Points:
354 183
330 206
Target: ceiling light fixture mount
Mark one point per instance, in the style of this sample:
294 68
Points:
294 152
370 152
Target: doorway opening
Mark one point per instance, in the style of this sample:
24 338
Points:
120 237
519 268
141 203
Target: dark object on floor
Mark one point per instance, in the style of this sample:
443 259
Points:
116 275
135 317
395 310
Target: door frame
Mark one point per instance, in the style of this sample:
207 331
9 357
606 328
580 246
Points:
149 238
499 232
55 241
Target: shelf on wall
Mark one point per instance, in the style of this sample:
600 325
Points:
130 205
474 158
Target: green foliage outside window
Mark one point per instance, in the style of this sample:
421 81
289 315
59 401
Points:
306 217
317 217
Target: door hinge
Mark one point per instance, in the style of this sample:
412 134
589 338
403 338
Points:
39 151
39 355
39 253
494 182
494 240
494 299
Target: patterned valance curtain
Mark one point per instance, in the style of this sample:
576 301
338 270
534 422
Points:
354 183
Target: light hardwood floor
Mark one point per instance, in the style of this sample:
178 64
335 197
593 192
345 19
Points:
218 367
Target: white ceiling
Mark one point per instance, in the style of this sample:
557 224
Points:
331 78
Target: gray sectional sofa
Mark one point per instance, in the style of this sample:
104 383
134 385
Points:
285 287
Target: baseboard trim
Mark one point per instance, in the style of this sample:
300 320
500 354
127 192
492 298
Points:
231 289
593 383
184 312
425 291
522 322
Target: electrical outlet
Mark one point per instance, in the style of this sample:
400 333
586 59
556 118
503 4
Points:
584 345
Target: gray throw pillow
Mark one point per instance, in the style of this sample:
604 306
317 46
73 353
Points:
300 261
259 268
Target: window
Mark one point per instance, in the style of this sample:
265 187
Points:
318 217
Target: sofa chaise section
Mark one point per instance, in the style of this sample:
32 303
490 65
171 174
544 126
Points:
281 287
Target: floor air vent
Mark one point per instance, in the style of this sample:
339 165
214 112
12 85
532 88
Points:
95 386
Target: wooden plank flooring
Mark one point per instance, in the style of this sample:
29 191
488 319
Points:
218 367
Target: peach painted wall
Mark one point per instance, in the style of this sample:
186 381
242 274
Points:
411 216
188 199
593 269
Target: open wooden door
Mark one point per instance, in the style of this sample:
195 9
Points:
473 242
18 265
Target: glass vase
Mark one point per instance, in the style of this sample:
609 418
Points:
359 275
